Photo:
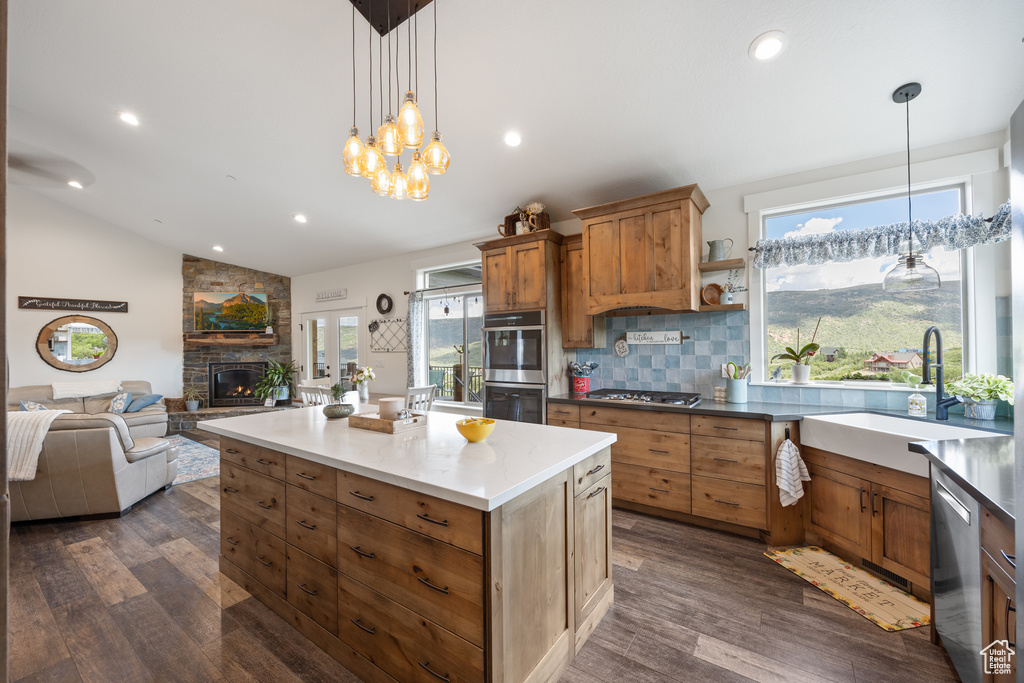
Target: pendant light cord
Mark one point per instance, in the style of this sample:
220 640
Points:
910 214
389 57
369 72
353 66
436 127
380 74
408 35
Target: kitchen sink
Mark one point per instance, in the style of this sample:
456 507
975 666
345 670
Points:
879 439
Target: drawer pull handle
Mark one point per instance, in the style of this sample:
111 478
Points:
863 507
561 412
426 667
726 460
264 562
731 429
426 518
232 451
372 630
1012 559
264 506
304 476
725 502
228 539
662 490
595 470
360 496
264 462
597 492
426 582
306 590
655 450
357 551
311 527
228 489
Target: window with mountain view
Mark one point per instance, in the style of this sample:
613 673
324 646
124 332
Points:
455 346
865 333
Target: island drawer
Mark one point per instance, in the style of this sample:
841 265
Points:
650 486
441 519
312 524
562 412
731 459
401 642
436 580
256 458
253 497
311 476
729 501
645 448
254 551
639 419
590 470
997 539
728 427
313 588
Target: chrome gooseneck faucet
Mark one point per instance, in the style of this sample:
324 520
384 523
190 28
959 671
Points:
942 403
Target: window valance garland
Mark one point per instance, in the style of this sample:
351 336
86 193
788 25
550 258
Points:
950 233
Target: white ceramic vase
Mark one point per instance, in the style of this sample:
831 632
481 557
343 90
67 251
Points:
364 391
801 373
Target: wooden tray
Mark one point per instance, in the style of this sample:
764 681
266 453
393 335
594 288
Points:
374 423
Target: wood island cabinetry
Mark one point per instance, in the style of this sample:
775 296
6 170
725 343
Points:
998 588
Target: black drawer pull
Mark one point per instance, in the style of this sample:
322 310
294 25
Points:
357 551
426 518
1012 559
561 412
597 492
725 502
372 630
863 507
426 667
1010 608
232 451
228 539
725 460
655 450
360 496
304 476
731 429
265 507
264 562
311 527
595 470
306 590
264 462
228 489
662 490
426 582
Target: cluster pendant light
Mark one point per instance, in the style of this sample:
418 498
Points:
395 136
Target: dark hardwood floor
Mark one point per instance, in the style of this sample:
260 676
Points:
140 599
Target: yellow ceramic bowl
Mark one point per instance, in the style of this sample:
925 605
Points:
475 429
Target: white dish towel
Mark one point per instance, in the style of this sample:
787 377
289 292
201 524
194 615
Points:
790 473
26 430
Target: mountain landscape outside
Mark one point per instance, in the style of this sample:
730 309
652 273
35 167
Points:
865 333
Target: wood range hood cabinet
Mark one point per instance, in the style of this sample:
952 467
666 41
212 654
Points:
643 252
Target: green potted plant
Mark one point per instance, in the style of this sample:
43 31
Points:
981 392
276 381
800 357
338 409
190 392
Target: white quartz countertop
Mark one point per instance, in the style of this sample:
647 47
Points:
435 460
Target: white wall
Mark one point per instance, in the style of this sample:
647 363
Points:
57 252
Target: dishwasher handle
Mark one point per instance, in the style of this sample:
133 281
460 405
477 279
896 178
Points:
952 501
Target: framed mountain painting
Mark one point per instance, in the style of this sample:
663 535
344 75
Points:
230 312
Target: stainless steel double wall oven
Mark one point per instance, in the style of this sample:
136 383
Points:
515 366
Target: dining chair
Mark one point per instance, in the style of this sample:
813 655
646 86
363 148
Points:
420 398
314 395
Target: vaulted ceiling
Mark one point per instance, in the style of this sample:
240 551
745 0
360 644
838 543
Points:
245 105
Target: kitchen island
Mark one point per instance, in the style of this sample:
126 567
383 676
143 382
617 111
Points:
419 556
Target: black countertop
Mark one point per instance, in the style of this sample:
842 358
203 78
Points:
983 467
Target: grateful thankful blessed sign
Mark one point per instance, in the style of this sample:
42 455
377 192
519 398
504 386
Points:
40 303
655 337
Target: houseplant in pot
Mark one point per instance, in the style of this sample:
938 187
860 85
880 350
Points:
338 409
800 357
190 393
276 381
980 393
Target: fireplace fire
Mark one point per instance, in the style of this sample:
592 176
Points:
234 384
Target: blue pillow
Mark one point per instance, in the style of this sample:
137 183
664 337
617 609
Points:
120 403
143 401
32 405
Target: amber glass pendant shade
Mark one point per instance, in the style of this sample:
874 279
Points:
353 152
372 160
419 181
389 137
399 183
435 156
380 183
410 123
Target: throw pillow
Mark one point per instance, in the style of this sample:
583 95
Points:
143 401
32 405
120 403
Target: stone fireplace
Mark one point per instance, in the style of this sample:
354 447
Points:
234 384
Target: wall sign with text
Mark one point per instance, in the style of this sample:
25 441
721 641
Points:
655 337
39 303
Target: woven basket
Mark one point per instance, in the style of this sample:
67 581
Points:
543 223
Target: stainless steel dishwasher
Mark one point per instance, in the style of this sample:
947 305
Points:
956 574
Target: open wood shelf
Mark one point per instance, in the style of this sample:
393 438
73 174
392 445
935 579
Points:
728 264
705 308
228 339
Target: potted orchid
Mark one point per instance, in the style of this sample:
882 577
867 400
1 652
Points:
981 392
361 379
800 357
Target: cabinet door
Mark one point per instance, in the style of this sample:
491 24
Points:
577 326
837 507
528 275
899 533
497 278
593 522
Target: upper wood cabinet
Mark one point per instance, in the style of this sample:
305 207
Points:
643 252
516 271
579 330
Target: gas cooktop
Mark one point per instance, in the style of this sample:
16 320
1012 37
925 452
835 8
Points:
630 396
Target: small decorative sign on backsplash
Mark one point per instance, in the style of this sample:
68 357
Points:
659 337
332 294
40 303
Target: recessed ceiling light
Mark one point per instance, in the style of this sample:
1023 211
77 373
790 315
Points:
75 184
512 139
299 218
767 45
128 117
217 247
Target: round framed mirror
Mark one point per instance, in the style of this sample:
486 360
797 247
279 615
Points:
76 343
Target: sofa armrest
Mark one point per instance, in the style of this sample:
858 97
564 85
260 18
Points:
96 421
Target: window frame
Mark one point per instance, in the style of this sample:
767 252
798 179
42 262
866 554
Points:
464 291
